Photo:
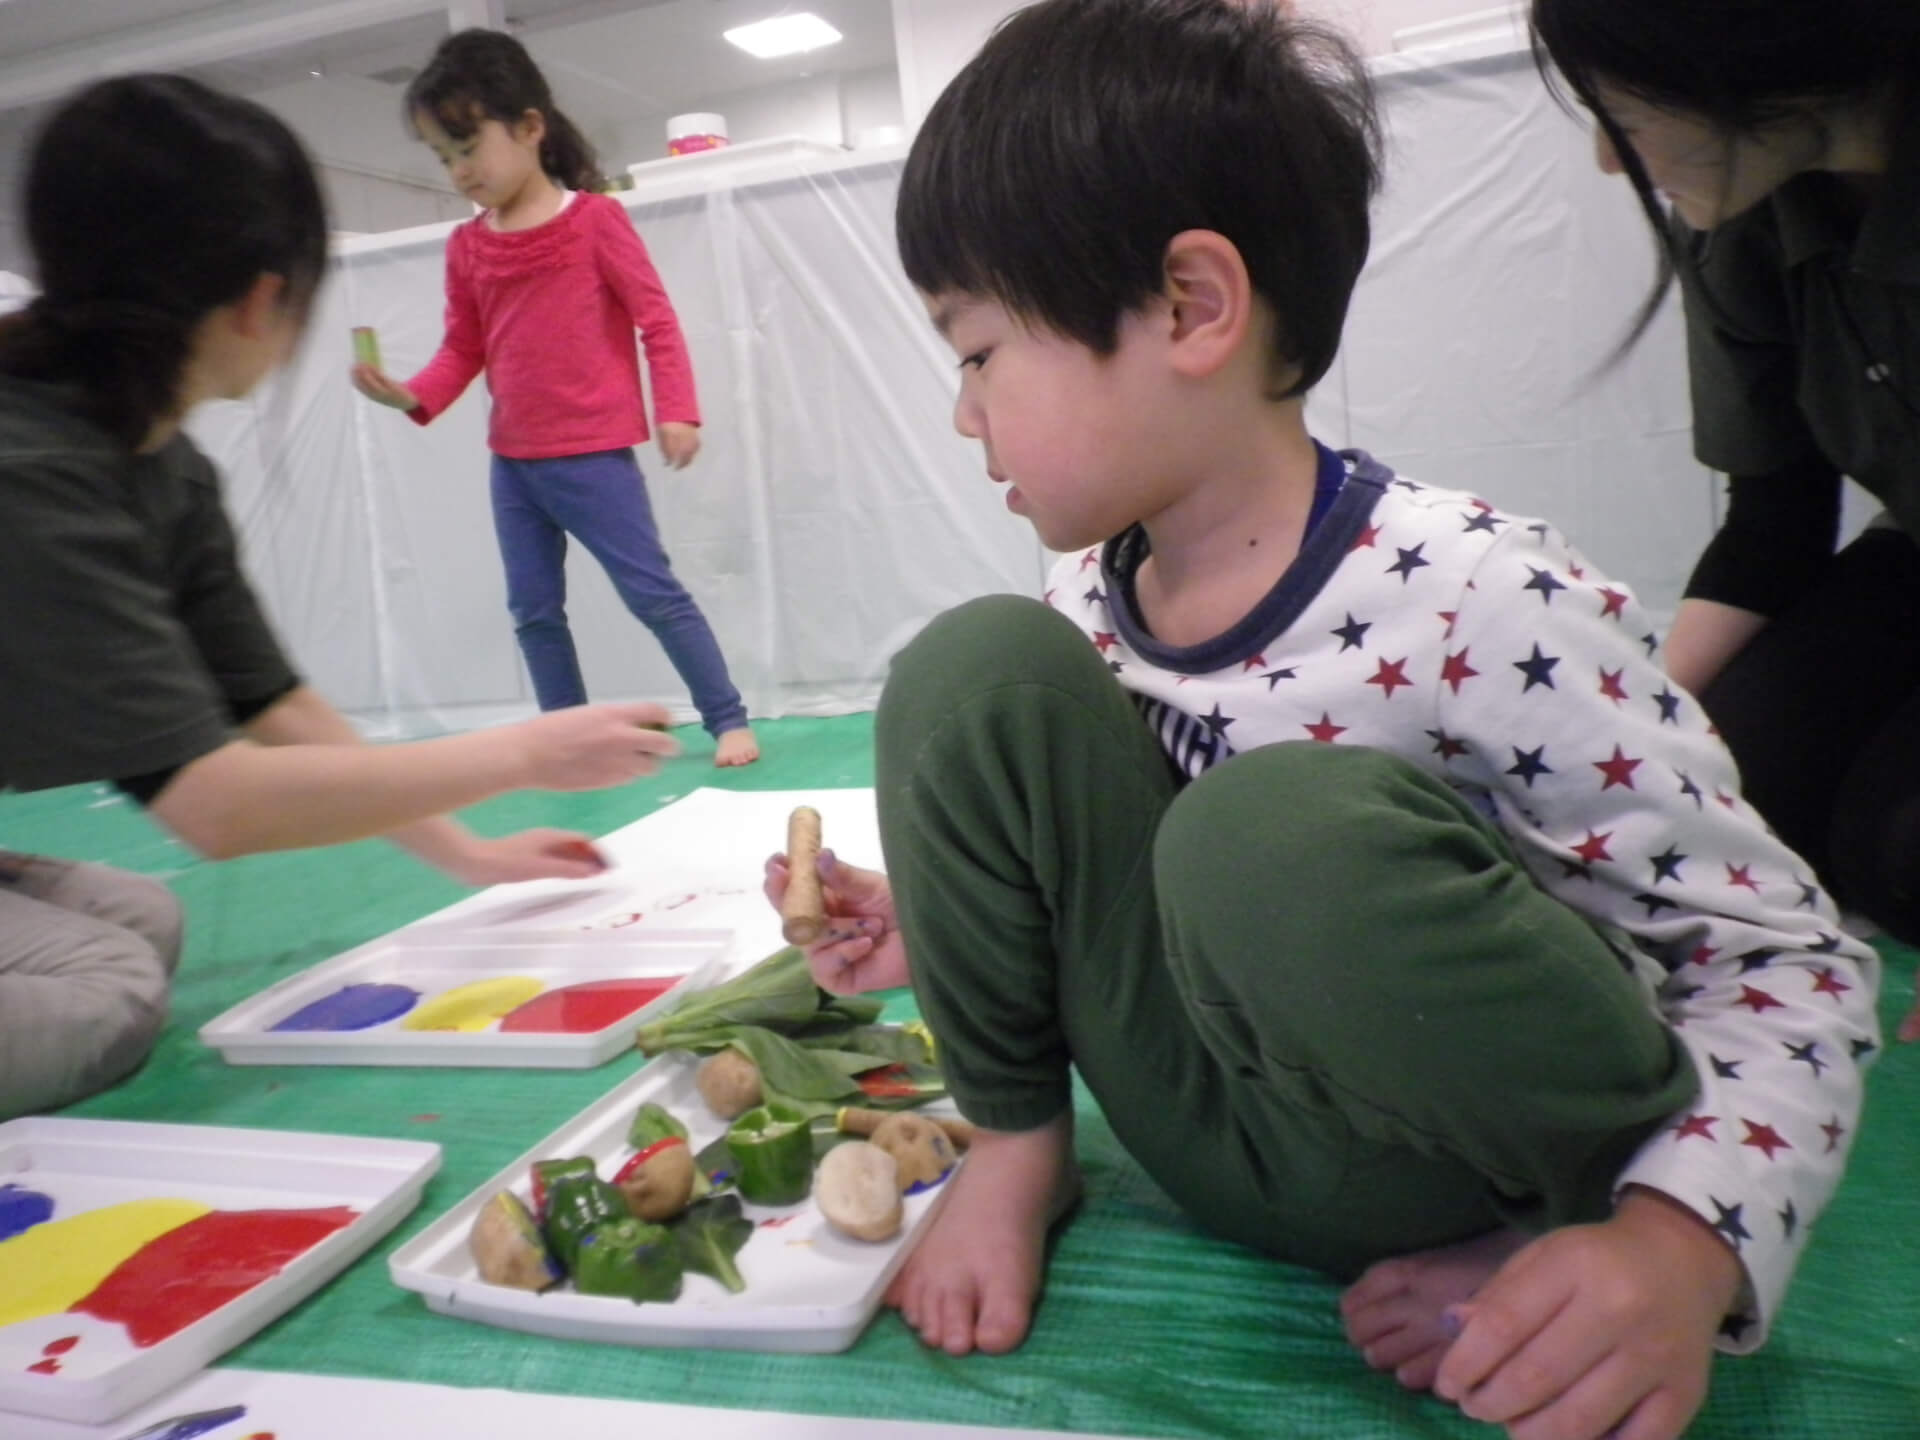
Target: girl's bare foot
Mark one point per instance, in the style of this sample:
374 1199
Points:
972 1282
736 747
1393 1312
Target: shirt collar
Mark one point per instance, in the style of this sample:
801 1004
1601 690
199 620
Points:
1812 212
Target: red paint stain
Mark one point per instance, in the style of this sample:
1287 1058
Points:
890 1082
683 900
192 1271
60 1346
776 1222
426 1119
585 1009
45 1367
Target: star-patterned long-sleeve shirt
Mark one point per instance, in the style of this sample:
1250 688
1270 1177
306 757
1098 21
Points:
1482 648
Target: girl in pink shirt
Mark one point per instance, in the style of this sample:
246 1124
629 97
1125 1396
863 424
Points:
544 290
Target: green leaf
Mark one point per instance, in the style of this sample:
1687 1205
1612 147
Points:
795 1070
777 991
711 1233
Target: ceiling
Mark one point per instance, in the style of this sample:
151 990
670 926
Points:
607 59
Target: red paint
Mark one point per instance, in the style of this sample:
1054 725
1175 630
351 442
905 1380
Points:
585 1009
60 1346
45 1367
889 1082
627 1170
190 1272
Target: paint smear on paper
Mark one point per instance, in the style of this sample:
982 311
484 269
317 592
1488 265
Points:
190 1272
190 1427
585 1009
353 1007
475 1006
53 1267
21 1209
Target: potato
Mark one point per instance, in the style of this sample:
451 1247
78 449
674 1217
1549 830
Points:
508 1247
919 1147
660 1188
858 1188
729 1082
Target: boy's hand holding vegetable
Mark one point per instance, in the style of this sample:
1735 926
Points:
862 949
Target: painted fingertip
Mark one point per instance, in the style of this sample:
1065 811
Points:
1452 1322
825 861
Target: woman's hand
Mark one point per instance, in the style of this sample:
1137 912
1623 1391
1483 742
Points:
862 949
1597 1330
528 855
586 747
379 387
679 443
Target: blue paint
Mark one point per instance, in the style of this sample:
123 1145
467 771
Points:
185 1427
22 1209
353 1007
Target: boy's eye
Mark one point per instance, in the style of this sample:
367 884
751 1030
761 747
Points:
975 361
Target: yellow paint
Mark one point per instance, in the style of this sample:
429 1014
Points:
56 1265
475 1006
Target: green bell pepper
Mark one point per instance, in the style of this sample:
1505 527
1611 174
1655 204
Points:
631 1258
576 1206
772 1147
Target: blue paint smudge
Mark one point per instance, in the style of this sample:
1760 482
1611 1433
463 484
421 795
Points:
22 1209
353 1007
185 1427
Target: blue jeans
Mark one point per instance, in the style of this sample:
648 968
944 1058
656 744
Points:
601 500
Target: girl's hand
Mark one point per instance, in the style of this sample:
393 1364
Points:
528 855
862 949
376 385
586 747
1597 1330
679 443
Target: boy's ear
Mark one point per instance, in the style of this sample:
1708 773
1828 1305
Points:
1210 301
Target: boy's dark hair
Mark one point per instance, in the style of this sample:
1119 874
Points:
1054 170
478 75
1740 65
151 201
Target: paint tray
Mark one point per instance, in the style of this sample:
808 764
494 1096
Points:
810 1290
70 1364
437 958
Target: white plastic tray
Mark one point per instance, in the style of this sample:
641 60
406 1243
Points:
435 957
810 1290
87 1165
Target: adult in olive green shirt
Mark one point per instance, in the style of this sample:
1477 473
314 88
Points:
1784 135
132 648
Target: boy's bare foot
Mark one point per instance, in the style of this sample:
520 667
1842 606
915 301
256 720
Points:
1393 1312
736 747
972 1282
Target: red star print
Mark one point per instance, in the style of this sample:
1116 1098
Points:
1092 557
1258 662
1613 602
1833 1130
1828 983
1594 847
1325 730
1047 598
1701 1125
1703 955
1456 670
1757 1001
1367 537
1449 616
1611 687
1764 1137
1737 875
1390 674
1724 798
1104 640
1619 770
1575 571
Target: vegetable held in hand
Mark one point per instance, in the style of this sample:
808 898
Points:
772 1149
803 910
711 1234
508 1248
631 1258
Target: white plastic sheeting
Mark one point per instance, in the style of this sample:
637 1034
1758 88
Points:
833 511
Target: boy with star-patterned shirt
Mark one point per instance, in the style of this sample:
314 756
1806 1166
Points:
1342 835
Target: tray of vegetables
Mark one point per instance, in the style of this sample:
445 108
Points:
755 1186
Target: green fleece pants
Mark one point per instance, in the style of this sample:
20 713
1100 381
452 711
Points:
1315 994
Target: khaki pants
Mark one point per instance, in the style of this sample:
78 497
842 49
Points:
86 953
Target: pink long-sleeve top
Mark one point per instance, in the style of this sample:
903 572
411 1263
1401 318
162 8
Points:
549 314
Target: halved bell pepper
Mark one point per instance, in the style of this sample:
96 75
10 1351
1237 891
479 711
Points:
772 1148
576 1206
631 1258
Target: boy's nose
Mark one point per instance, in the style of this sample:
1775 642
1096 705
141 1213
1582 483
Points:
966 418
